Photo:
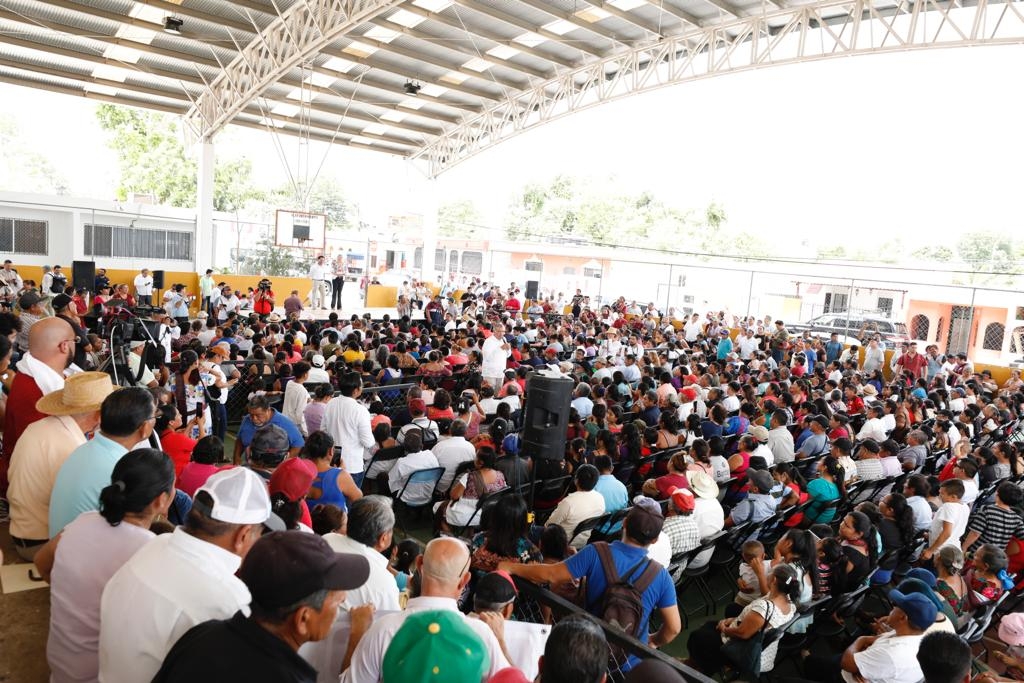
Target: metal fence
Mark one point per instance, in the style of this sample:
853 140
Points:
535 604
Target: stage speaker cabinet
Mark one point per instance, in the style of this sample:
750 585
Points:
546 415
83 274
532 290
158 279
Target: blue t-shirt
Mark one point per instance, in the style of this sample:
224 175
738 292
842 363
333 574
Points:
613 491
247 429
833 350
660 594
80 479
812 358
724 348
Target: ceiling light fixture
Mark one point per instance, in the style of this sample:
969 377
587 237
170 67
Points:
173 25
411 88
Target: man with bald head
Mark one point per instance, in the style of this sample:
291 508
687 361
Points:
444 572
41 371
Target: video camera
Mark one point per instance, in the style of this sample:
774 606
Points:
264 285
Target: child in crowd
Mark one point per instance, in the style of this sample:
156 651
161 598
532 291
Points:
328 519
750 579
403 561
831 568
554 547
950 521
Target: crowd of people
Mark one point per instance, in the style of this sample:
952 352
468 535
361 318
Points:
173 557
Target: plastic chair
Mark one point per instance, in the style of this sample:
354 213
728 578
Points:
431 476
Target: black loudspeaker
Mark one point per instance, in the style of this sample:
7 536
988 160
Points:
546 416
532 289
300 231
158 279
83 274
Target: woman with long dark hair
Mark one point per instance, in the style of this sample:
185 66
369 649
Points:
331 485
80 560
505 536
828 487
857 536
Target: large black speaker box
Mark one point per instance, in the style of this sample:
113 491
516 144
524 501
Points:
546 415
158 279
532 290
83 274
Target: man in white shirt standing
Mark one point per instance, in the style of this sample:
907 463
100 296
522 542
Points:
747 344
496 352
206 285
444 573
371 525
348 423
692 329
144 288
185 578
319 273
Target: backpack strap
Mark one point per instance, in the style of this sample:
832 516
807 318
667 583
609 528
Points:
611 575
647 577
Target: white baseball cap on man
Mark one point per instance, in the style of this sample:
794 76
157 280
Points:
239 497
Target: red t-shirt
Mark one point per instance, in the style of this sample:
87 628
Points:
668 482
178 447
21 412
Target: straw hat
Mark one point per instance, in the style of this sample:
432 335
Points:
82 393
273 318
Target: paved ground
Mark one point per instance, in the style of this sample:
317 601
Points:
23 627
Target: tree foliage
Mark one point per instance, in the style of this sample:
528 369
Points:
23 169
459 219
152 160
599 211
325 196
269 259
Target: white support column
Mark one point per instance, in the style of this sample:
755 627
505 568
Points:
204 242
426 206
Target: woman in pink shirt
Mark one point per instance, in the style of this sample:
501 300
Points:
209 451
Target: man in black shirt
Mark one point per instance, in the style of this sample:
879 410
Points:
63 308
297 583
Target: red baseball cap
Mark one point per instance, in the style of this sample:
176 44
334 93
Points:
293 477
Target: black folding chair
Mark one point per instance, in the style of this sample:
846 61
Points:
430 476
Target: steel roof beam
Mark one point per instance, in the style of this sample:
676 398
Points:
823 30
493 37
469 53
512 20
299 34
579 23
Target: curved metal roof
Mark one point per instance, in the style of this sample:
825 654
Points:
440 80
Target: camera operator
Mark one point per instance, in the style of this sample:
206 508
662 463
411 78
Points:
178 302
263 299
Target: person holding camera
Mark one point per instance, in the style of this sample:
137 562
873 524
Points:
263 299
177 301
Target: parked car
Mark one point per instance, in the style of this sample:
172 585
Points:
849 327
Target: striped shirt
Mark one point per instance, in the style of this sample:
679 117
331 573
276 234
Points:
996 526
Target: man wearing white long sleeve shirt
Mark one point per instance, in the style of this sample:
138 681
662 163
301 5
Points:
319 273
144 288
874 427
348 423
495 351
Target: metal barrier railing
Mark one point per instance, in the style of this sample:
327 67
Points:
533 601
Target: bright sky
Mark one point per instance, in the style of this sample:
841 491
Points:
922 145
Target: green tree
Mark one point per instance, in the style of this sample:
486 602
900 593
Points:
987 251
269 259
23 169
153 161
598 210
459 219
325 196
938 253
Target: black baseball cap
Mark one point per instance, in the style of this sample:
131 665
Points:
61 301
284 567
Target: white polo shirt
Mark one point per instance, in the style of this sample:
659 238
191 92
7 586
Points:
890 659
173 583
380 588
143 284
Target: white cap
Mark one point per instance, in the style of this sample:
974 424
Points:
239 497
318 361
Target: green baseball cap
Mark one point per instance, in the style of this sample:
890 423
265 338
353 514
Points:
435 646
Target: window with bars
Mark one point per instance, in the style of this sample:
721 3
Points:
533 266
121 242
453 261
417 257
472 262
1017 340
993 340
919 325
24 236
